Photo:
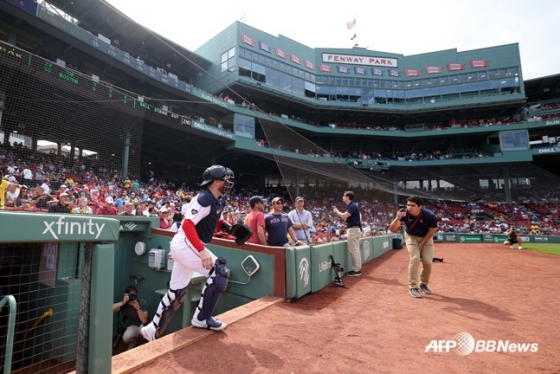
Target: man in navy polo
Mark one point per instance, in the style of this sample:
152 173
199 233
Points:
420 226
354 231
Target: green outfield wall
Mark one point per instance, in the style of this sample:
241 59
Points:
492 238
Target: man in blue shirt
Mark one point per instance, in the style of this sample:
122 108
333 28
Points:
278 225
302 221
354 231
420 226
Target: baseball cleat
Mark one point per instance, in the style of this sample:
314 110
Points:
149 332
210 324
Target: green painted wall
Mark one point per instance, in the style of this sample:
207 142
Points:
308 269
212 50
50 278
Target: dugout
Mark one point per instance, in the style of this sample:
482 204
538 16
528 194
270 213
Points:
256 270
66 271
59 269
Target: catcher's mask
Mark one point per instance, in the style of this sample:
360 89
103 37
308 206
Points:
218 172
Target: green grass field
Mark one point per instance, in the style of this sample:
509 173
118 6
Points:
553 249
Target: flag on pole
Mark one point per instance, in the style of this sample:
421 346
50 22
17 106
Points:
351 24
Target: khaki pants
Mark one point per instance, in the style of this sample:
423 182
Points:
132 336
412 242
354 234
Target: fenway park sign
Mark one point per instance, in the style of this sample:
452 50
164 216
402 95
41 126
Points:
360 60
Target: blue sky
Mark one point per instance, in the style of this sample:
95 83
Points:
399 26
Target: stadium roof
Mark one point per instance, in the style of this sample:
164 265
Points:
98 16
543 87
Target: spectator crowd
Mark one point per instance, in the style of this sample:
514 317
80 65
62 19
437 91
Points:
37 182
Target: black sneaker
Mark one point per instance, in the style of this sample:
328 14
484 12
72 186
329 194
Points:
414 292
353 273
425 289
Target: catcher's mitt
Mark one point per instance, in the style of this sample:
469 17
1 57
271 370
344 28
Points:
241 232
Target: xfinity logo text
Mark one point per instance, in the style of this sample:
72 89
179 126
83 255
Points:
62 227
464 344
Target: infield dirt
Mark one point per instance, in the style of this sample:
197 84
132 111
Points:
486 290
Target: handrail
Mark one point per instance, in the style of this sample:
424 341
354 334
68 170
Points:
11 330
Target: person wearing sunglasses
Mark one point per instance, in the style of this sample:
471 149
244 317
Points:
278 225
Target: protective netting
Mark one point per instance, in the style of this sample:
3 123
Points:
53 113
308 169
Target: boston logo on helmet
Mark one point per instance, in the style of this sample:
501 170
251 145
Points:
218 172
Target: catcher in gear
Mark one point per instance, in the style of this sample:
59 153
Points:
190 255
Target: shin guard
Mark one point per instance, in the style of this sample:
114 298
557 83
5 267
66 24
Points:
168 305
215 284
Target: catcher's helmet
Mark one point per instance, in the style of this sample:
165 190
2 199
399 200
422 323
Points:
218 172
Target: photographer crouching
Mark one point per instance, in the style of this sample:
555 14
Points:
135 315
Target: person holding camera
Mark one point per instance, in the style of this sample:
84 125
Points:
420 226
513 237
135 312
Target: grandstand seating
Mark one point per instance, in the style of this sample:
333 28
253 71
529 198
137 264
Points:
296 114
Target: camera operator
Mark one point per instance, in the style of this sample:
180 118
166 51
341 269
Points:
512 238
135 312
420 226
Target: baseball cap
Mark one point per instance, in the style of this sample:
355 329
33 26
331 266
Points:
254 200
277 199
163 210
299 198
319 229
109 200
63 194
62 186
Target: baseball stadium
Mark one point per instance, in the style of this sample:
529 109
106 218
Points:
108 115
